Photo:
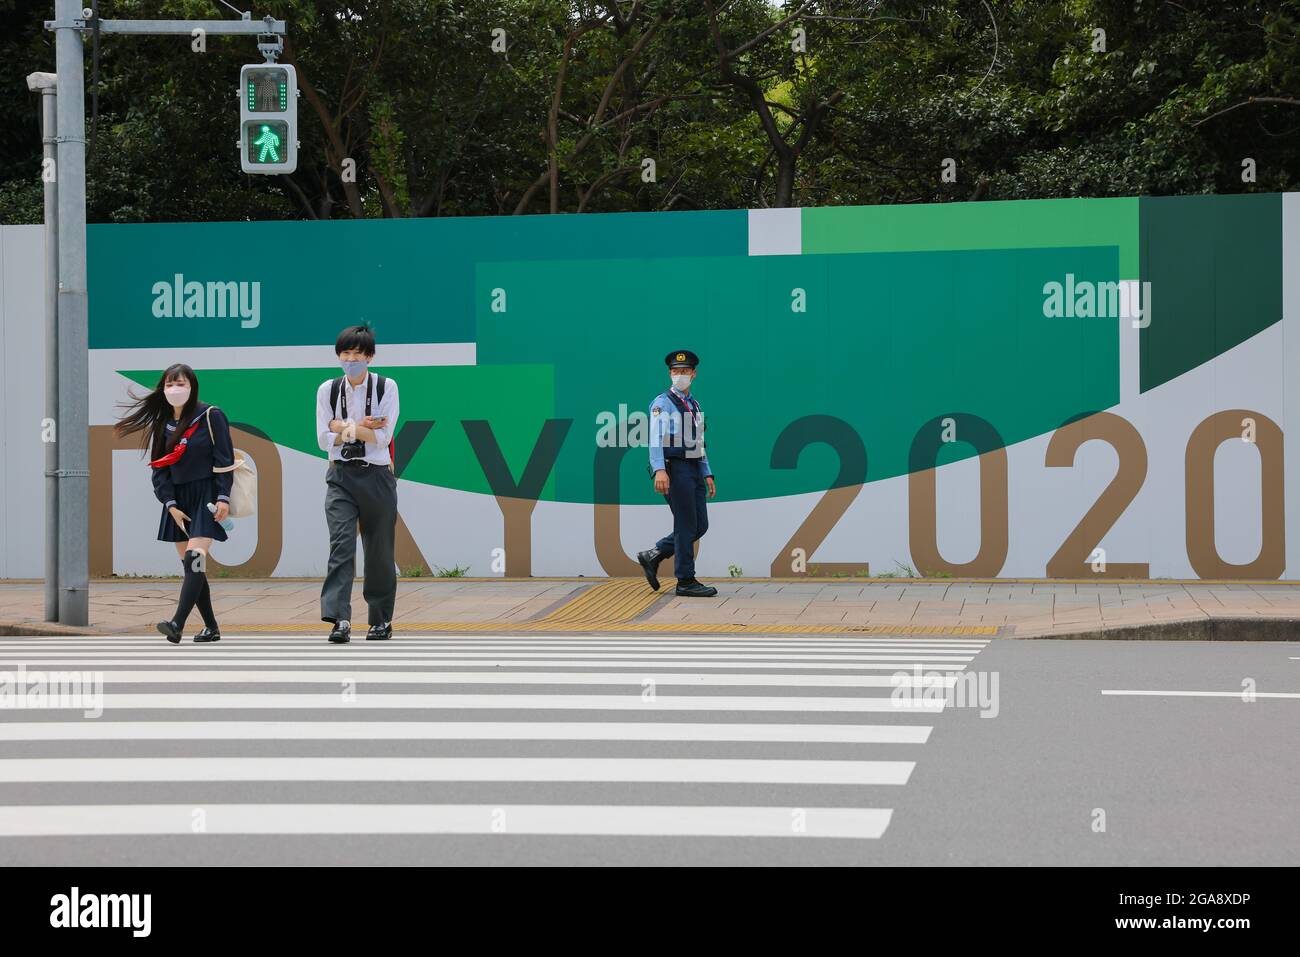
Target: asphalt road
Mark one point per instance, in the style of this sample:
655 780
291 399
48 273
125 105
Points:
649 751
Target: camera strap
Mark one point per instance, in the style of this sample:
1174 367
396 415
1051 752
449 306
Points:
337 390
343 396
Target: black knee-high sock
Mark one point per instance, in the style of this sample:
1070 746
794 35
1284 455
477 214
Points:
204 604
191 586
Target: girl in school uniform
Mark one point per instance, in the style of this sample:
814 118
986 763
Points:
191 453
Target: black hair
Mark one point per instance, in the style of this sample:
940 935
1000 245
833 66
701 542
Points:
361 338
150 413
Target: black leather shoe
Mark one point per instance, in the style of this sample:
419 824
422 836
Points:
172 632
695 589
380 632
341 634
649 561
207 634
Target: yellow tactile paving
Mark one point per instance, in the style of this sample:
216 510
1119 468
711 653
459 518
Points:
615 601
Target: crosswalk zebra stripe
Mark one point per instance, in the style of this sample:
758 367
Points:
499 702
730 640
222 676
787 673
325 651
497 820
721 641
557 657
461 731
220 649
600 770
328 660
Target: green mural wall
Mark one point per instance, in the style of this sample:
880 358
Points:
889 318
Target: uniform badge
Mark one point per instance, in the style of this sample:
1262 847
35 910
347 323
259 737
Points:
656 410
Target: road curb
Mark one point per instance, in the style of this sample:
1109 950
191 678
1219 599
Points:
46 629
1189 629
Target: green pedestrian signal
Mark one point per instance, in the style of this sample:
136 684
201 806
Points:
268 114
270 144
266 141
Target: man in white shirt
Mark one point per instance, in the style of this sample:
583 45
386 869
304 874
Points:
356 415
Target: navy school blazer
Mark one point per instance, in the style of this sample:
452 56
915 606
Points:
204 453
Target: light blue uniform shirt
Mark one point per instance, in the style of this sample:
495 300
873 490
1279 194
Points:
666 429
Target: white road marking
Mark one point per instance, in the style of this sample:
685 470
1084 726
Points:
520 641
222 676
469 660
328 660
496 820
537 655
460 731
632 701
640 770
1241 695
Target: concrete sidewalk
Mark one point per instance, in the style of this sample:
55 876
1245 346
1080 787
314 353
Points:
1001 608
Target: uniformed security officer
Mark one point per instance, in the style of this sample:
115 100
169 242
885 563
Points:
682 475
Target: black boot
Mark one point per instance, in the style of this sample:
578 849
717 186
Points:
191 587
649 561
342 633
691 588
211 630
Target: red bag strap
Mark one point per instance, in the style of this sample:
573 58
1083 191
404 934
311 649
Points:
177 452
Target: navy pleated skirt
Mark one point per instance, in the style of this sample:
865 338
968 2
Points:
192 498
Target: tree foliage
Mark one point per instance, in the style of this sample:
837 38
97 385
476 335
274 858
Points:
470 107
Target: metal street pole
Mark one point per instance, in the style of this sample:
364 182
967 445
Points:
74 372
44 83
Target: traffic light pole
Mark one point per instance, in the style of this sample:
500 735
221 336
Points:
228 28
45 83
72 430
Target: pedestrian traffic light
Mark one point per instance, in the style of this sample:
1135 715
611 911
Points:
268 118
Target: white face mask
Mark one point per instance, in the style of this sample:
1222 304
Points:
681 382
177 395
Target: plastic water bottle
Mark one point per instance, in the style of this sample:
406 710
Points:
225 523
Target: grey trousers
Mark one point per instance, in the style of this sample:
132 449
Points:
368 496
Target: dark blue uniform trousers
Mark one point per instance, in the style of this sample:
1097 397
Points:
687 497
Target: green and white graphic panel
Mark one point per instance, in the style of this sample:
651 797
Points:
1066 387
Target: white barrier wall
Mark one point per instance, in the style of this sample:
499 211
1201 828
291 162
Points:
22 390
